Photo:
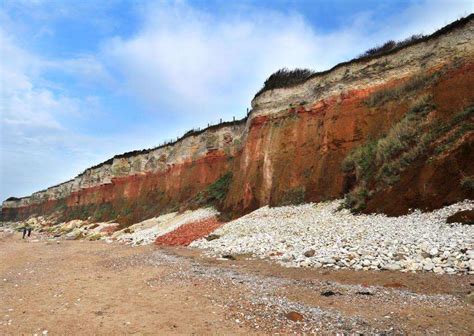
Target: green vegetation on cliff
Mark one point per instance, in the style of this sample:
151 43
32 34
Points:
215 193
378 163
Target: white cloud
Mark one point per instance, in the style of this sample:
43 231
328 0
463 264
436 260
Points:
86 69
22 102
425 17
186 58
34 141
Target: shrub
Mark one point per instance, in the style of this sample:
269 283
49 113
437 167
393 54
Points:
104 212
391 45
218 190
294 196
467 183
286 78
378 163
361 161
387 46
460 123
215 192
384 159
404 135
356 200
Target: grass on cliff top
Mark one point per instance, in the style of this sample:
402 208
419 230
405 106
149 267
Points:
287 78
390 46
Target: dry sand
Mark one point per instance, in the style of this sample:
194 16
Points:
84 288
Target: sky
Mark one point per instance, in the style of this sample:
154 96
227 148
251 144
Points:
81 81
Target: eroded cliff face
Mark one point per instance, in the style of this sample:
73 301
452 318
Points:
292 146
136 186
299 137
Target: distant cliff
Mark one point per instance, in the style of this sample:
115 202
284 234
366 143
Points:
390 131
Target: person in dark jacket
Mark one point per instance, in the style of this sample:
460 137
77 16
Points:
26 231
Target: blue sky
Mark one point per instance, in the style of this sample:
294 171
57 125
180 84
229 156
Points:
81 81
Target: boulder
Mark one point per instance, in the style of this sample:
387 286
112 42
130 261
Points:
309 253
391 267
294 316
428 265
464 217
434 252
212 237
74 234
228 256
328 293
327 260
470 298
316 265
399 256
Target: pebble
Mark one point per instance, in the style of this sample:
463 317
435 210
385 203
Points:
392 267
419 241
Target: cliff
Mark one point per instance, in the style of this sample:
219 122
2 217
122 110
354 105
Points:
391 132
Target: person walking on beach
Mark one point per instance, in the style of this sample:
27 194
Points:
26 231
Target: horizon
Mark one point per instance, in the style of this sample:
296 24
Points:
116 86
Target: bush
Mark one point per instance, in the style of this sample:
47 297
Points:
378 163
286 78
215 192
467 183
294 196
391 45
356 200
218 190
387 46
404 135
460 122
384 159
361 161
103 212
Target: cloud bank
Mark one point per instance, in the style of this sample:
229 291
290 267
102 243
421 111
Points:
194 61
